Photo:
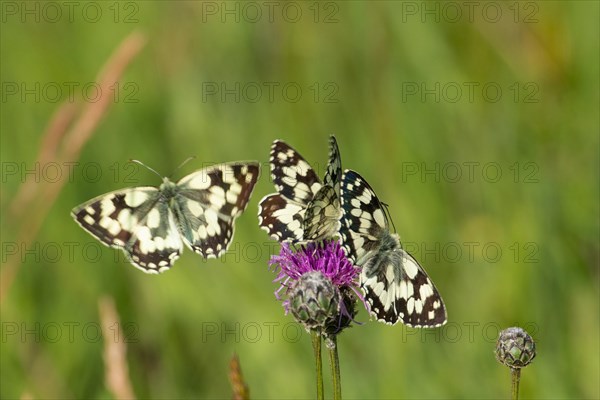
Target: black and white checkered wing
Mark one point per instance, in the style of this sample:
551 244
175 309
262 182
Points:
363 219
208 202
292 175
394 284
281 214
322 217
281 218
333 174
136 220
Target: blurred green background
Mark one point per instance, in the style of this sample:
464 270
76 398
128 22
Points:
477 124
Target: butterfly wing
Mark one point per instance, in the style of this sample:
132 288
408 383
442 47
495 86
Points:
398 288
208 202
321 218
423 305
281 218
281 215
136 220
363 218
394 284
333 174
292 176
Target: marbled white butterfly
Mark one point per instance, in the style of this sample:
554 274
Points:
394 284
151 224
304 208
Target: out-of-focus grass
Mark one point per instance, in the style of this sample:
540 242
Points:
372 55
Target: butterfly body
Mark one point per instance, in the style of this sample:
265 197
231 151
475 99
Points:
394 284
152 224
385 253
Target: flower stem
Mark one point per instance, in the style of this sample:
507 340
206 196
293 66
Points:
334 361
516 377
316 342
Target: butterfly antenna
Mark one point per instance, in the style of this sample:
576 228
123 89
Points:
147 167
387 211
182 164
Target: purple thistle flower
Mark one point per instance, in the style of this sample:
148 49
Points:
297 268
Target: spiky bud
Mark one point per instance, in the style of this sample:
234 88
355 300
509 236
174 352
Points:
313 300
345 317
515 348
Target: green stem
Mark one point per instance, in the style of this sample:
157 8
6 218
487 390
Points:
516 377
334 361
316 342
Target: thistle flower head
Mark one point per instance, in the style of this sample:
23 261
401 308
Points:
313 300
515 348
317 280
327 257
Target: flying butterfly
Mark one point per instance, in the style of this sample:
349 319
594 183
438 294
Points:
151 224
304 209
394 284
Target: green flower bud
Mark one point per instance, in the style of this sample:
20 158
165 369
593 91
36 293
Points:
515 348
314 300
344 318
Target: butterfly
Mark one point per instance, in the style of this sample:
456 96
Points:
393 283
151 224
304 209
